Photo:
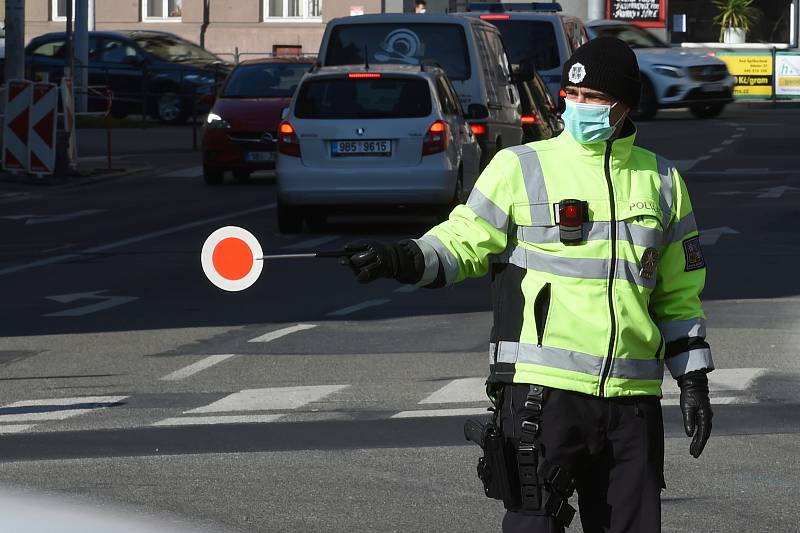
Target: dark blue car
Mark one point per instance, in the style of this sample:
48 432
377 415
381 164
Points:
158 73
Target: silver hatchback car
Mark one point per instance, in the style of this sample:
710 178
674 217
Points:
358 137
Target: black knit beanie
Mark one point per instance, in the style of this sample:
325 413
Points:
605 64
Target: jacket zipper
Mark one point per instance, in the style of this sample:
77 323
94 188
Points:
611 271
541 308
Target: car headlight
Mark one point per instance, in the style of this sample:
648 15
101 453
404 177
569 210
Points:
200 79
215 121
669 71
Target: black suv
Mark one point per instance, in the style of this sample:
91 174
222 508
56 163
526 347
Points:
158 73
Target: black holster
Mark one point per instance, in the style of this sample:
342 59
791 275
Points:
497 467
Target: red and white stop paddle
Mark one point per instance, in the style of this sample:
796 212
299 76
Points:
232 258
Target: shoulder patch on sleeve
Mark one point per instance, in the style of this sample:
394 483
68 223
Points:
694 254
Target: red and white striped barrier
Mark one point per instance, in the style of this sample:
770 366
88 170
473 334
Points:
42 135
19 94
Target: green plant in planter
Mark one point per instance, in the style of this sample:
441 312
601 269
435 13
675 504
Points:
734 14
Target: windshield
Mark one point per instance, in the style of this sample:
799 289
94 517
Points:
343 98
171 48
266 80
634 36
530 40
405 44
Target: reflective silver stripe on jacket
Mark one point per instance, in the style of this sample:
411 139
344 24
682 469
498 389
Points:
573 267
594 231
680 228
516 352
683 329
533 178
665 172
683 363
431 262
448 260
488 210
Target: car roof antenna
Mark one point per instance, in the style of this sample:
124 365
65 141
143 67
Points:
366 58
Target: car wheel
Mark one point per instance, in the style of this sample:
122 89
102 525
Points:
290 219
458 197
169 108
241 175
707 110
213 176
648 107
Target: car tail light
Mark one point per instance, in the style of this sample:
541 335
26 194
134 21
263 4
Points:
562 93
527 120
435 140
288 143
362 75
478 129
495 17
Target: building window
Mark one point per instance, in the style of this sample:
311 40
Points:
60 10
161 9
288 10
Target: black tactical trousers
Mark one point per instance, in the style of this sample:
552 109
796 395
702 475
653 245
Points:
614 448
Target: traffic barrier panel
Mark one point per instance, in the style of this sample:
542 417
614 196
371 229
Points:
19 94
42 134
68 104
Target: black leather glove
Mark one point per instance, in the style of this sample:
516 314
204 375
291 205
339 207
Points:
371 260
696 409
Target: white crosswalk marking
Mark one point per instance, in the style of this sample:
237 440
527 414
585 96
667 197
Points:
460 391
275 398
272 335
14 428
720 380
225 419
54 408
199 366
427 413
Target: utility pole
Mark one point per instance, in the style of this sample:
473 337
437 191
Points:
15 40
81 61
596 9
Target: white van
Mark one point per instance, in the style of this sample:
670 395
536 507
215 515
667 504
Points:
469 50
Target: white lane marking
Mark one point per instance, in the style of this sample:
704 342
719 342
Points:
190 172
741 129
139 238
728 141
272 335
273 398
199 366
107 302
709 237
406 288
15 428
716 150
38 410
58 248
736 135
224 419
358 307
716 400
776 192
460 391
720 380
311 243
427 413
31 220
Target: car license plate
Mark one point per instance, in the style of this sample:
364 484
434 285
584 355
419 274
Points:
260 157
712 87
340 148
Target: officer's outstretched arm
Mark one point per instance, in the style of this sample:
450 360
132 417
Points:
460 247
675 304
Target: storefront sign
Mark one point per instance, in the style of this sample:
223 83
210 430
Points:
787 72
753 73
356 11
645 13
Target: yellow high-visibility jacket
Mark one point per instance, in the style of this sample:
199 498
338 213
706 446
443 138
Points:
587 317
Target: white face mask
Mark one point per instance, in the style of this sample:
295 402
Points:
589 123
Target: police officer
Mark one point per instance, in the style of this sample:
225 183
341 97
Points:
596 270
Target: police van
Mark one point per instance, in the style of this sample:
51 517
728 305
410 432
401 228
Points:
469 50
535 35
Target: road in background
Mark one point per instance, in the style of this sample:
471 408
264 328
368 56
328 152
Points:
310 402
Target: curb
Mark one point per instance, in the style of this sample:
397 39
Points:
68 182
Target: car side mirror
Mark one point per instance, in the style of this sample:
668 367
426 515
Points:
284 113
476 111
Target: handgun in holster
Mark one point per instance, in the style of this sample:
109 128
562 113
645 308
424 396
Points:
497 467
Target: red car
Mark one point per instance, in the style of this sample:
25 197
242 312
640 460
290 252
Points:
241 129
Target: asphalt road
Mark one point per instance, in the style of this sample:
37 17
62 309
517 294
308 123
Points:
311 403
